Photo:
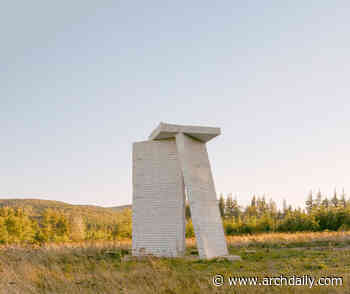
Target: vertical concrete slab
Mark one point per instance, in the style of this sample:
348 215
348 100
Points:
158 200
201 193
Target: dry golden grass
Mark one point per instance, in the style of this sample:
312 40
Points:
99 267
283 239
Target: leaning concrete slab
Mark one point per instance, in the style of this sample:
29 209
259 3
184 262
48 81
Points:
201 194
158 200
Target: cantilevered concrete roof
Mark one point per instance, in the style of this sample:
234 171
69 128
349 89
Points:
167 131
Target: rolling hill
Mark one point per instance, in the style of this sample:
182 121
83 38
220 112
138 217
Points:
91 213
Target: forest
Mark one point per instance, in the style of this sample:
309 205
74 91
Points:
33 221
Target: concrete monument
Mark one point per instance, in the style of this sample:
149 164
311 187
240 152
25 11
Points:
173 161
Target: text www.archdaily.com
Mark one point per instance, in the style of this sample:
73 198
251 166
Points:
305 280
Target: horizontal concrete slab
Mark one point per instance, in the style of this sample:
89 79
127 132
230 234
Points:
167 131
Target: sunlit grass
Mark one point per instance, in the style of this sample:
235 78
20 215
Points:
102 267
284 239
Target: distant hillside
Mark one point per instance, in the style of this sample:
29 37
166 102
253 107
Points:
36 221
119 208
91 213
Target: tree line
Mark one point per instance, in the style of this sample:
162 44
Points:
19 225
320 213
262 216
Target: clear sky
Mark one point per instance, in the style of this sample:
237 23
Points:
81 80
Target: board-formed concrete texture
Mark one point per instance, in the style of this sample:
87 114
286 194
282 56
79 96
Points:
158 212
175 157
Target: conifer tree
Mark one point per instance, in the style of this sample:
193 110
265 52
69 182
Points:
235 208
342 201
309 203
222 205
187 211
318 200
229 206
285 207
325 203
335 200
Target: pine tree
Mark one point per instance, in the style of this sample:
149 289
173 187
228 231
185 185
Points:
272 207
253 201
309 203
318 200
325 203
334 200
222 205
285 207
263 205
236 211
187 210
229 206
342 201
251 210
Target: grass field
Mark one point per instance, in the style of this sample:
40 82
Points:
104 267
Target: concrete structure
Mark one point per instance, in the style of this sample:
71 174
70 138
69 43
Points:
158 200
174 159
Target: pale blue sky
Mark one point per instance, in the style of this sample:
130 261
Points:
81 80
